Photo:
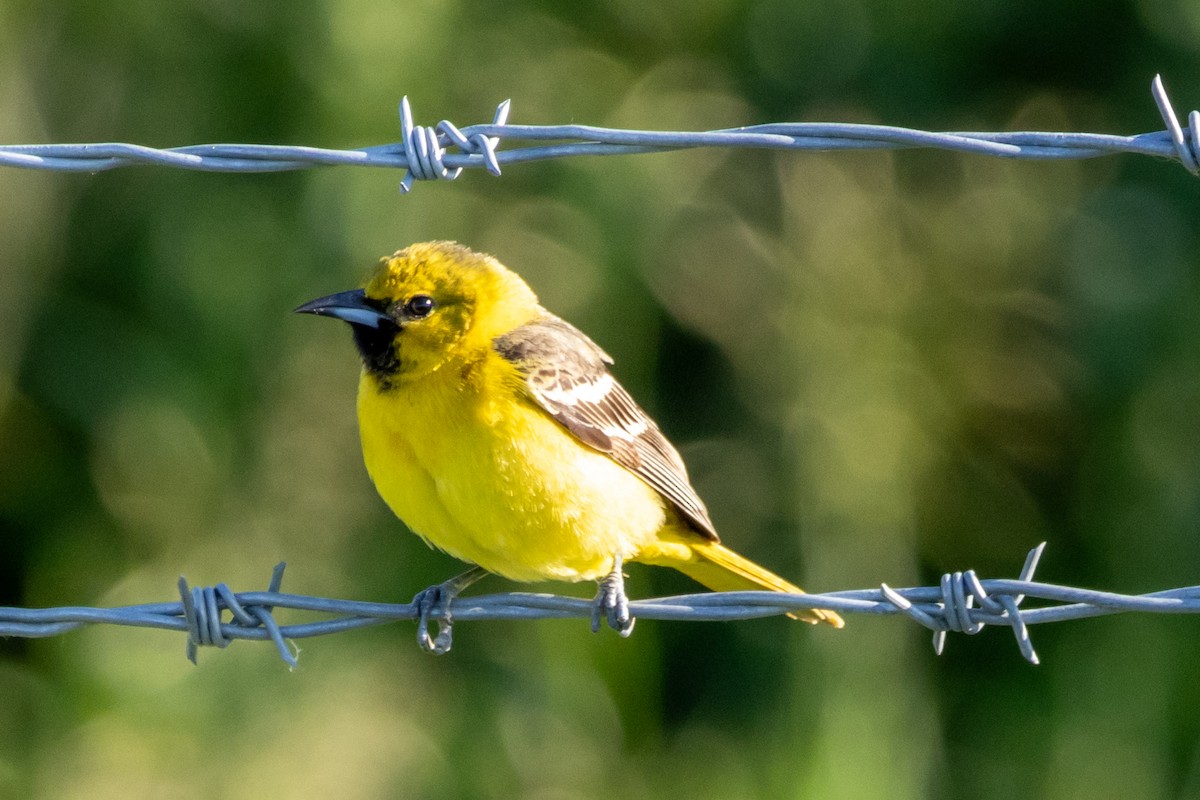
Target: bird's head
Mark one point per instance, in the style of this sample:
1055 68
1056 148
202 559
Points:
429 304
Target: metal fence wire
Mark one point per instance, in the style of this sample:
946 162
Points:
442 152
962 602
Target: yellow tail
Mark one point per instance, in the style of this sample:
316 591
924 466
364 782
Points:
723 570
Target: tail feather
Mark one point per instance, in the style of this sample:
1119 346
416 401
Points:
723 570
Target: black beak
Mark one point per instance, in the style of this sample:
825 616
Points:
352 307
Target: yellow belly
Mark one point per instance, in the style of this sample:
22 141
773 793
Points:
498 483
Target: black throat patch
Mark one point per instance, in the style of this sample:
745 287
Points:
377 346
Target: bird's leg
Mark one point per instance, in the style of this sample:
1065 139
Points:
611 603
434 602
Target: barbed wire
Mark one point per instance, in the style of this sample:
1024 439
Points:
425 152
962 602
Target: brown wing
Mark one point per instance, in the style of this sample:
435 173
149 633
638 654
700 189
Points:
567 375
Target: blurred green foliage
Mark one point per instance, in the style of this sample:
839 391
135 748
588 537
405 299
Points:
879 366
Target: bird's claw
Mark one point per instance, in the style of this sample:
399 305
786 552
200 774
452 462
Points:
611 604
434 603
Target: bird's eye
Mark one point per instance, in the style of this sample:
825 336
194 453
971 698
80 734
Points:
419 306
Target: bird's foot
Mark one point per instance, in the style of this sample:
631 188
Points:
434 603
611 604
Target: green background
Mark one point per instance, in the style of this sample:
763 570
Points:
879 367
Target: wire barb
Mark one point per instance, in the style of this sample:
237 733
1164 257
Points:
202 606
959 593
444 151
1186 147
425 147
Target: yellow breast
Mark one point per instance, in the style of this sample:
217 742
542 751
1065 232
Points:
491 479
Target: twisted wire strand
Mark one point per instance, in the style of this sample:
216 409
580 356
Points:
961 603
442 152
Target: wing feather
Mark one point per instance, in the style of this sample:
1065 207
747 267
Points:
566 373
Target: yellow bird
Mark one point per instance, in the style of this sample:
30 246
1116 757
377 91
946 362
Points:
496 432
